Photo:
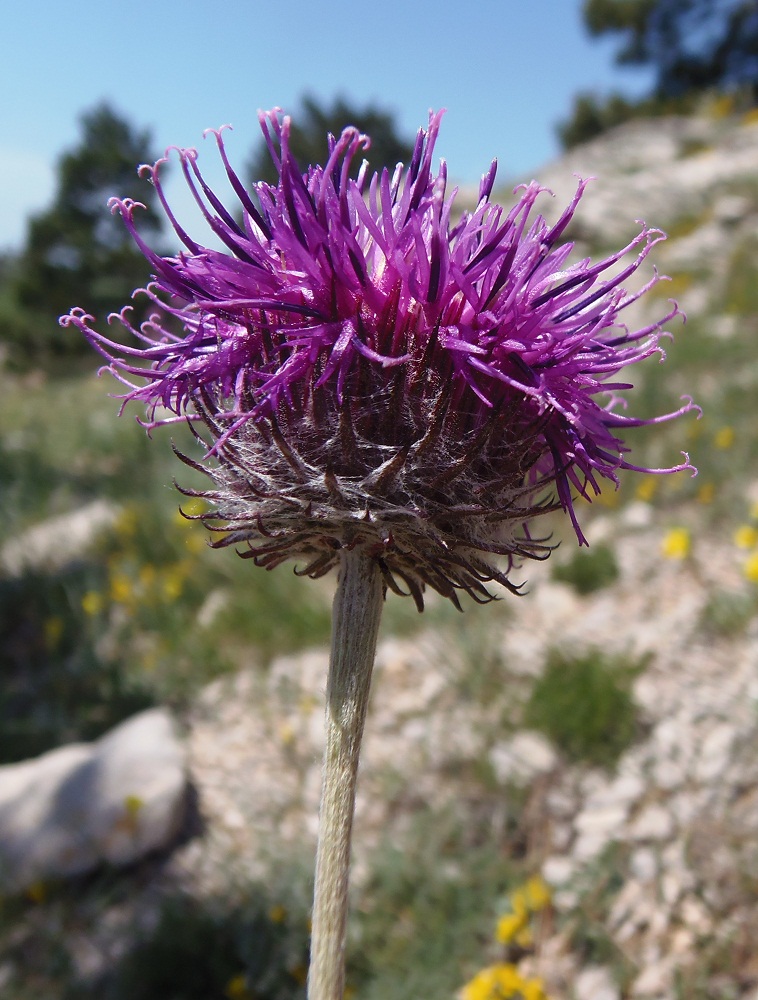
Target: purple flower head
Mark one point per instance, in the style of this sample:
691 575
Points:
367 369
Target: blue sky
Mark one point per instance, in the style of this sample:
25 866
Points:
506 70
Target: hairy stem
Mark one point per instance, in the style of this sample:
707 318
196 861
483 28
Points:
355 626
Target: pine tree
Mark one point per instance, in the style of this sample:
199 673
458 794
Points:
691 44
76 251
314 121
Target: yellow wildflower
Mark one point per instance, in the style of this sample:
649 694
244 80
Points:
520 901
525 937
706 493
300 974
237 988
92 603
646 489
509 926
173 582
609 496
307 703
121 590
277 914
750 568
126 524
721 107
133 804
192 506
37 891
538 894
496 982
676 543
149 660
147 574
724 438
533 989
53 631
195 543
287 734
745 537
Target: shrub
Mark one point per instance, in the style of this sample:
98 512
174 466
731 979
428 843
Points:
585 707
588 571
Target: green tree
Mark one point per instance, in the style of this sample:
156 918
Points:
691 44
77 252
314 122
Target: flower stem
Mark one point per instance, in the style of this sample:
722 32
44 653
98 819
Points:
355 625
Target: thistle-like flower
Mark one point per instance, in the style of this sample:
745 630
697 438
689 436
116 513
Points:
381 386
370 372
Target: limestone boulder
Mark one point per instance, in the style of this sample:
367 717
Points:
113 800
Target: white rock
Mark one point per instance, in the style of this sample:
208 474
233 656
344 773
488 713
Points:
668 774
561 835
592 782
637 514
643 864
623 790
522 758
556 600
731 208
682 941
558 870
596 826
715 752
654 980
626 906
695 915
684 807
589 845
56 541
596 983
653 823
601 820
114 800
212 606
672 886
560 803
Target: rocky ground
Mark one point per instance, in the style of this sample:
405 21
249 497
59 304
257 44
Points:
680 808
679 812
659 852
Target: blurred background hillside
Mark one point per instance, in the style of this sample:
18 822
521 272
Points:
600 735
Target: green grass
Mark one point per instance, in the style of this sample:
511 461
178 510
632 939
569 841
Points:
588 570
253 946
728 613
123 625
740 295
584 705
421 922
202 950
586 924
721 374
56 687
